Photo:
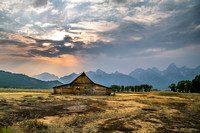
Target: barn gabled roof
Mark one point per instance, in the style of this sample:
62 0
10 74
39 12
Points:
83 74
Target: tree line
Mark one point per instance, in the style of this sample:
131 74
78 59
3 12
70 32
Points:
187 86
137 88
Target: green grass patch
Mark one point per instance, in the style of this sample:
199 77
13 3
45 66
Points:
169 94
3 101
5 130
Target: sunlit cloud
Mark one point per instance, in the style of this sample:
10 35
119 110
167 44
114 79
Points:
69 45
63 60
46 44
55 35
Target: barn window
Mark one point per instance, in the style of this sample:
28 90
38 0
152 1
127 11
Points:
68 86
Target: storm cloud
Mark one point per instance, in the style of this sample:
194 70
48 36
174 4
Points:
39 3
102 32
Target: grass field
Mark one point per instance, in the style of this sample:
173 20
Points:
40 111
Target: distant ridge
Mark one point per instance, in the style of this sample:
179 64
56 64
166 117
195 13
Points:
46 77
13 80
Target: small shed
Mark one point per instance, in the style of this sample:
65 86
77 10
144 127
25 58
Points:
82 85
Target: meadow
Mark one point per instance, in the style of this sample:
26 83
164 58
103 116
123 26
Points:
40 111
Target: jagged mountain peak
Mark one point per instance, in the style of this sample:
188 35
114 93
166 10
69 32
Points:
99 71
172 66
45 76
155 69
72 74
117 72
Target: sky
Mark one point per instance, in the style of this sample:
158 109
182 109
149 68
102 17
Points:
65 36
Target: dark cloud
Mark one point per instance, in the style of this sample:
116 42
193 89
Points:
55 51
118 1
133 3
39 3
22 55
56 48
174 32
12 42
2 29
51 52
177 31
125 31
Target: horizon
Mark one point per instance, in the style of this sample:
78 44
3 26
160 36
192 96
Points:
69 36
66 74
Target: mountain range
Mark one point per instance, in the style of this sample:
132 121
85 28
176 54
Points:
152 76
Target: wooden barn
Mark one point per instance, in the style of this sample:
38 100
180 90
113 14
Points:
82 85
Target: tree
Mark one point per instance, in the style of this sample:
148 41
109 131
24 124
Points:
173 87
115 88
122 88
180 86
132 88
188 86
137 88
140 88
5 86
127 88
184 86
196 84
149 88
146 87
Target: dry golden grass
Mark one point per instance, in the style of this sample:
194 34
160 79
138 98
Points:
126 112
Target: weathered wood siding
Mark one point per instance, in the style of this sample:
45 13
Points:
99 90
63 90
82 79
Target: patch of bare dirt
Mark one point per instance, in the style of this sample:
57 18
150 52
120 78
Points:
39 110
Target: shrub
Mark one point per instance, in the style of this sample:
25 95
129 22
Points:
51 93
5 130
33 126
3 101
40 98
196 107
28 96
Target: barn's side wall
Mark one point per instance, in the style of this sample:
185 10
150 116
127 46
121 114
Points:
82 89
99 90
63 90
